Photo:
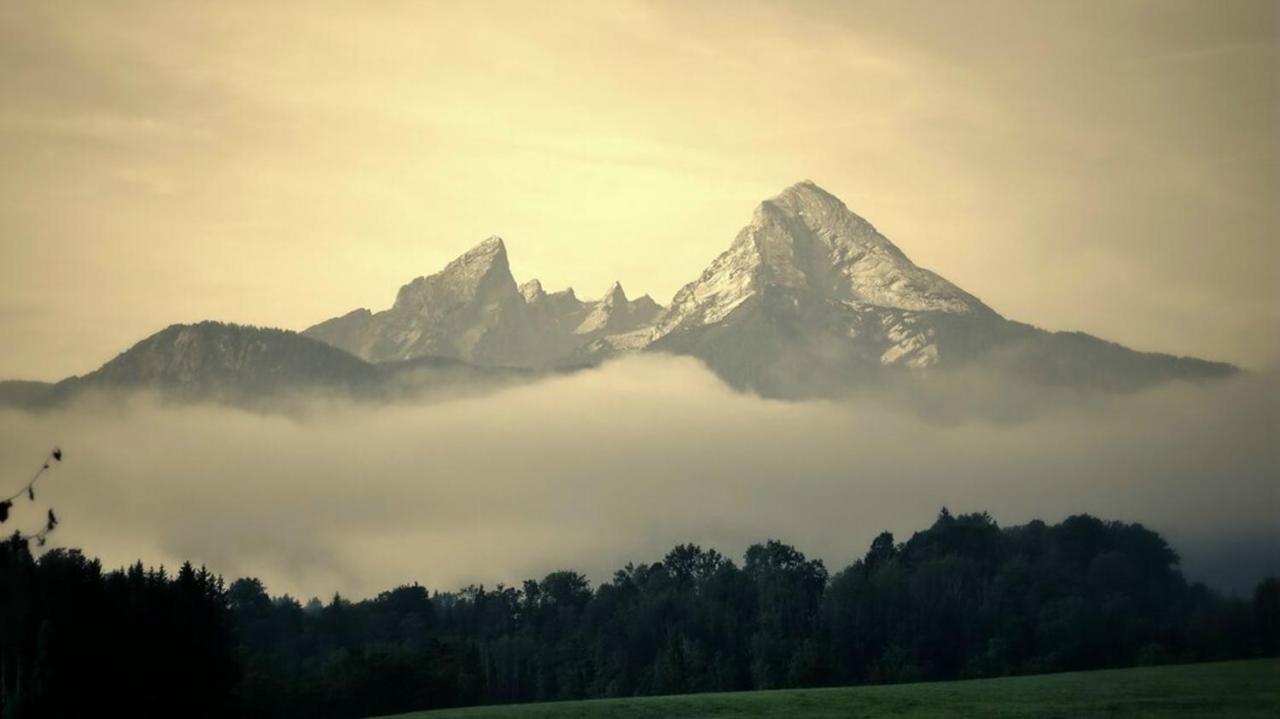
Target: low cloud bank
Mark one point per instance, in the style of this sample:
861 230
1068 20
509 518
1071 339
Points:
593 469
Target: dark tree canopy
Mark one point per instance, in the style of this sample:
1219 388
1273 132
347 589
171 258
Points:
963 598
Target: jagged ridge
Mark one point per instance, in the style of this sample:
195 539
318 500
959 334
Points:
472 310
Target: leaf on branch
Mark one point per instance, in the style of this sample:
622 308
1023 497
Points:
53 521
31 493
57 453
4 510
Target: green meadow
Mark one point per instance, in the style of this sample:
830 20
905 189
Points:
1223 689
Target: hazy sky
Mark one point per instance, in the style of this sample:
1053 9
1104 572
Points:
1106 166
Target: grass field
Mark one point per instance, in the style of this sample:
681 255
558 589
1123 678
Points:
1224 689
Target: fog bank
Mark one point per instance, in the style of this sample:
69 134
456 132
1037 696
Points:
591 470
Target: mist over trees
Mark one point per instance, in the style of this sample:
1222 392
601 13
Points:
962 598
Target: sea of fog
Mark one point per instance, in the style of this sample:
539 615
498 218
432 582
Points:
594 469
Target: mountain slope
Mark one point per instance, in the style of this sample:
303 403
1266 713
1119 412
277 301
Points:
254 366
213 360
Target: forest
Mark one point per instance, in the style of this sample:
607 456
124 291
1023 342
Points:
962 598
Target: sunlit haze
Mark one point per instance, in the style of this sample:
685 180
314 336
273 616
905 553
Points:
1109 167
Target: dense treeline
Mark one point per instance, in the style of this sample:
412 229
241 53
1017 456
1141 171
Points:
77 642
964 598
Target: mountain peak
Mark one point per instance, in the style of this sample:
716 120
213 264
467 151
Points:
492 243
817 207
482 270
615 295
806 240
614 313
492 251
844 256
808 189
222 359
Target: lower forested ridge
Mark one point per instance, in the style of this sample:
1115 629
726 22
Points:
963 598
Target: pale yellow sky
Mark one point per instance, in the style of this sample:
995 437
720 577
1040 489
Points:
1104 166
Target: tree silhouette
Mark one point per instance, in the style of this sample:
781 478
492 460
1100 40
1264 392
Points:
51 519
964 597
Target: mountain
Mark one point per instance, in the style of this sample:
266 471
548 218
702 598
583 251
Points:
237 364
473 311
805 242
808 301
810 298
